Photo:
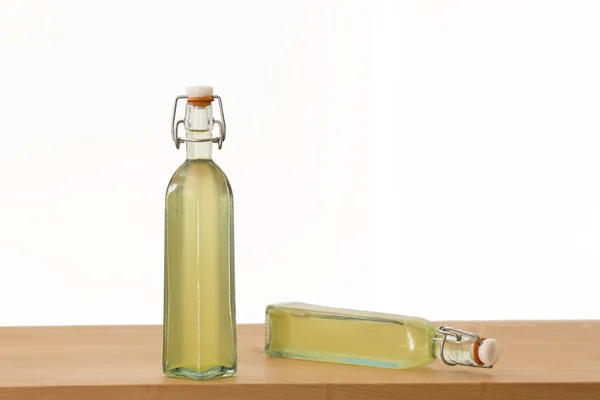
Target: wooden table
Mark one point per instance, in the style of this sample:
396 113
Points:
540 360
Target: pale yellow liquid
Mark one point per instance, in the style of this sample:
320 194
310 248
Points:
304 331
199 314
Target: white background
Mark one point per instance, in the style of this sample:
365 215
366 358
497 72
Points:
429 158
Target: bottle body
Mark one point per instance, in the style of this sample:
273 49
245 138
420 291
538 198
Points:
199 332
304 331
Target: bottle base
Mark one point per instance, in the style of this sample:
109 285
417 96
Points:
213 373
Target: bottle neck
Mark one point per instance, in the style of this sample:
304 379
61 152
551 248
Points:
198 125
462 352
201 150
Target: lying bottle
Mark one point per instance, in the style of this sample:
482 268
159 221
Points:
311 332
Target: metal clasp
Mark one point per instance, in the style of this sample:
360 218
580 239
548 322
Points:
457 334
217 139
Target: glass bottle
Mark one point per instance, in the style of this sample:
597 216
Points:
199 330
311 332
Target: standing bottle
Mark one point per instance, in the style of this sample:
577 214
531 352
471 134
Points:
199 331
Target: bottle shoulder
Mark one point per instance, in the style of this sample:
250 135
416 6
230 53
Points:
200 173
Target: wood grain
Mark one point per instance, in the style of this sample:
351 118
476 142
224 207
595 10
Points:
540 360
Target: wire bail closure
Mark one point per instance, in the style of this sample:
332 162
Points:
457 334
216 139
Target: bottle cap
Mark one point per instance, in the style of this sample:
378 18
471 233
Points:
485 352
199 91
489 352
